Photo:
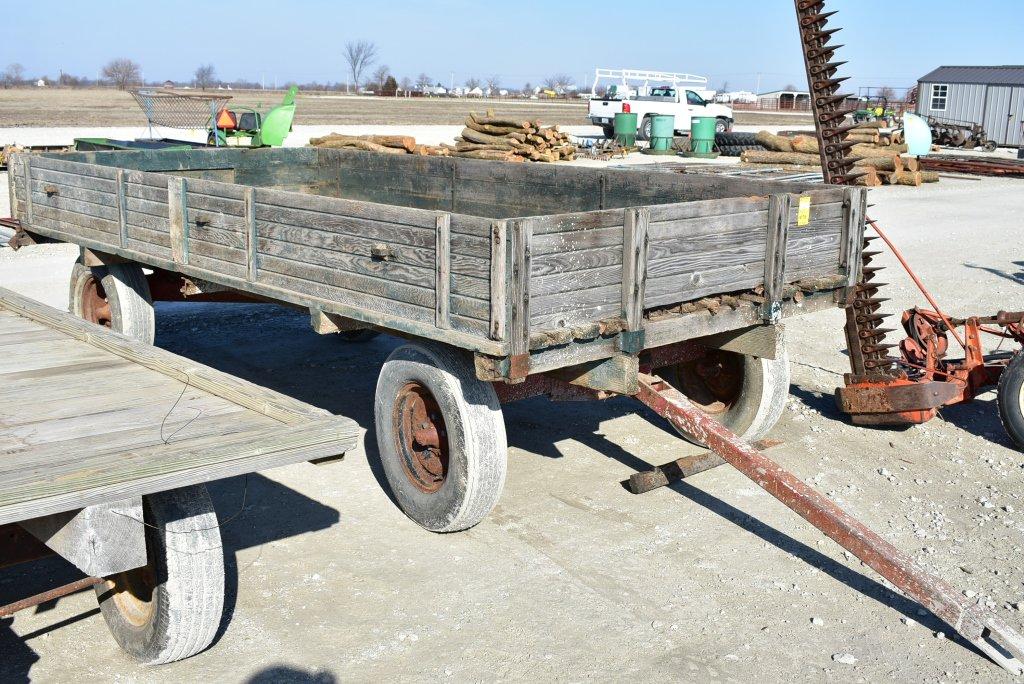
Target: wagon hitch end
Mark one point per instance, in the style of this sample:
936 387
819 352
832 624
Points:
983 628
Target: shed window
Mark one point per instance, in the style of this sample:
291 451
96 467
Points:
939 95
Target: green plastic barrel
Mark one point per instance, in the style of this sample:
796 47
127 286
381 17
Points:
702 134
663 128
625 129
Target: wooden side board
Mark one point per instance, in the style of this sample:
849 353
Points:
93 417
377 253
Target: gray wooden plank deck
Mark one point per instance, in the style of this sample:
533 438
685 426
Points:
88 416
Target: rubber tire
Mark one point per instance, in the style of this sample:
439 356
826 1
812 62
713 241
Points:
644 132
735 139
476 436
185 549
127 290
1010 397
609 131
721 125
762 398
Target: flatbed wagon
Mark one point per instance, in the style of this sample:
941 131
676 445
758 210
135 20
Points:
504 276
509 281
106 446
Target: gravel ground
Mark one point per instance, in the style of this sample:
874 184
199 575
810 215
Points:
571 577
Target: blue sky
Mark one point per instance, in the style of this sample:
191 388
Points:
888 43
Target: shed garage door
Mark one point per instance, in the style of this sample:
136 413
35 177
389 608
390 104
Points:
1004 114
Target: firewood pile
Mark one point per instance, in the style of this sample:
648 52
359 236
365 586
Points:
879 158
516 140
385 144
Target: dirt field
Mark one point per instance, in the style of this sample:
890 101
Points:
106 107
571 577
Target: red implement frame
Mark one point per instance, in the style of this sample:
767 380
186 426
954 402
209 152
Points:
982 628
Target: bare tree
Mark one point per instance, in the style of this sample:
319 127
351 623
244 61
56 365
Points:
123 72
13 75
558 82
887 92
205 76
423 81
472 83
359 55
406 84
528 88
725 86
789 87
493 83
381 75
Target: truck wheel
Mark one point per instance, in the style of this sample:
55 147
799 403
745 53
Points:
609 131
744 393
114 296
440 437
722 125
171 608
645 129
1010 397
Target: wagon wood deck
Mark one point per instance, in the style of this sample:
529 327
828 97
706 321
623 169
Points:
481 255
92 417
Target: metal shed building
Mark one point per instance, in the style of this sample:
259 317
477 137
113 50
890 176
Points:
992 96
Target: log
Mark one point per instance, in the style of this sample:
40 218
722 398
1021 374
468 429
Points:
492 130
913 178
870 178
470 147
804 143
404 142
929 176
768 157
911 164
871 124
772 142
490 120
880 163
490 155
361 145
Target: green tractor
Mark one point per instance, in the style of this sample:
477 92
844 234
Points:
245 123
875 109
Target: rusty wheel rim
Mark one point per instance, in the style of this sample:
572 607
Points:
134 593
422 440
713 382
95 305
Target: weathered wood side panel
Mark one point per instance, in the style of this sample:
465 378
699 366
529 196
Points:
576 269
382 257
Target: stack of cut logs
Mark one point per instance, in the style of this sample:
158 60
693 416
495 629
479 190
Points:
878 158
385 144
508 139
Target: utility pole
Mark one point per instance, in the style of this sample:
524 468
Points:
757 88
451 83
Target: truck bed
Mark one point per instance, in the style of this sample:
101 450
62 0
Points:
91 417
501 259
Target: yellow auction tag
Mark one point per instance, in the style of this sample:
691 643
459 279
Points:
803 212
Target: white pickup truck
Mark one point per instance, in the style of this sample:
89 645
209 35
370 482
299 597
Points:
674 99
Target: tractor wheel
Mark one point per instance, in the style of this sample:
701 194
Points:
989 146
722 125
171 608
440 437
746 394
1010 397
115 296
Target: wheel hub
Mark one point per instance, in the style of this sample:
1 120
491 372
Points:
713 382
133 594
422 437
95 305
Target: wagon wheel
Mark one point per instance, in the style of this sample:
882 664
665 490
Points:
114 296
171 608
1010 397
440 437
744 393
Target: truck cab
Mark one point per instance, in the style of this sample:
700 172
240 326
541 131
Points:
672 97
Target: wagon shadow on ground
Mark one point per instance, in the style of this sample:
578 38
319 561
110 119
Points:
585 427
340 377
1017 277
